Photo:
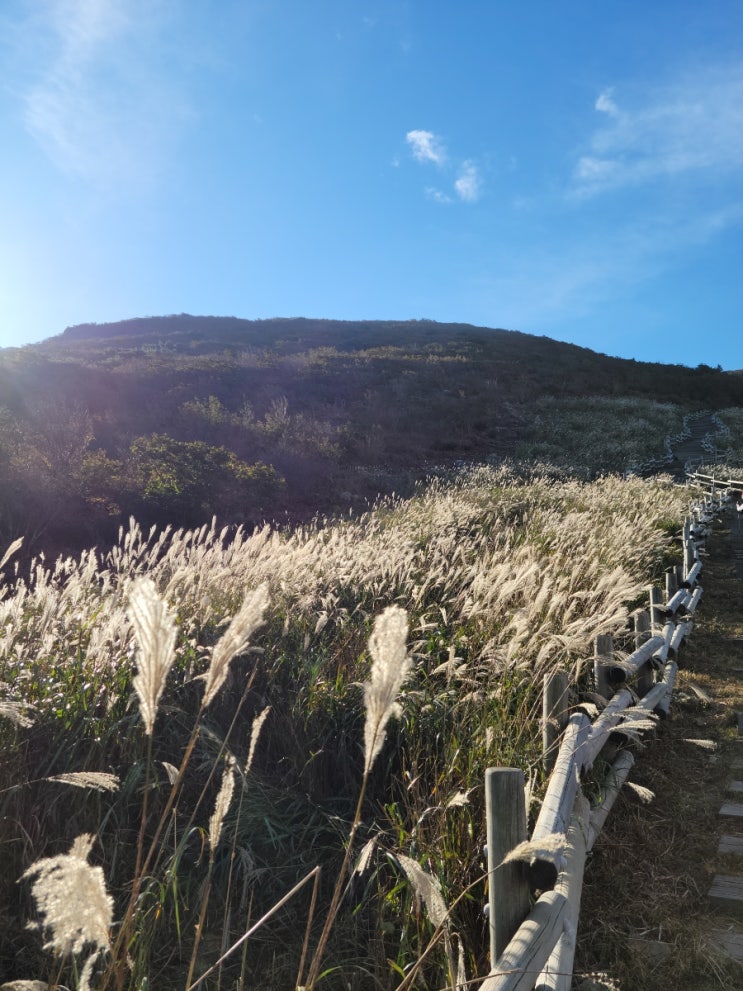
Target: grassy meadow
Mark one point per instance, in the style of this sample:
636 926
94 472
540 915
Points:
599 433
206 733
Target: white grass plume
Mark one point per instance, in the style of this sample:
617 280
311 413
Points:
222 804
390 667
426 888
636 722
255 732
72 900
97 780
16 545
25 986
458 799
155 631
365 857
644 794
14 712
702 744
234 640
549 847
171 770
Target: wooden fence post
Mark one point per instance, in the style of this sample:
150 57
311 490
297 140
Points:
672 583
642 635
603 654
554 715
657 617
689 556
508 887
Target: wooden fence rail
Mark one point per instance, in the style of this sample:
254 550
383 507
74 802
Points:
709 443
532 945
711 482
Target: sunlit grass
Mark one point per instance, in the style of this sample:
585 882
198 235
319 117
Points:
502 575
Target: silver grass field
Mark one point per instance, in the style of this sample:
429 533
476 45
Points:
255 760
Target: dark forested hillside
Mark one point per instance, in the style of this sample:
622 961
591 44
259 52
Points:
175 419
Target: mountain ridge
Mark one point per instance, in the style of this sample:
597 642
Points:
176 419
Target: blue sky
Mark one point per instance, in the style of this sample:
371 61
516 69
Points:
572 169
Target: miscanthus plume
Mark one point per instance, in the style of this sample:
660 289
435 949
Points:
73 904
234 640
390 667
222 804
155 632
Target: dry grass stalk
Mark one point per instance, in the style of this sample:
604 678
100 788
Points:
234 640
171 770
255 732
73 903
426 888
364 858
14 713
154 627
25 986
222 804
15 546
97 780
645 795
390 667
549 847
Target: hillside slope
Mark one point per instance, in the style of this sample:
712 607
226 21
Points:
176 419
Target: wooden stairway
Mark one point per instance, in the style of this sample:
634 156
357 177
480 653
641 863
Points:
726 890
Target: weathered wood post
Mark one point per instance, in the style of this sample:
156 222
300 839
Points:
689 547
508 887
554 715
602 658
642 635
657 602
686 530
672 583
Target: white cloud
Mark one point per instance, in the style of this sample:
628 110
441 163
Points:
692 126
98 105
426 147
605 104
437 195
468 184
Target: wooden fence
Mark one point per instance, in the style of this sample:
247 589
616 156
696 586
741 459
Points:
713 454
532 945
712 484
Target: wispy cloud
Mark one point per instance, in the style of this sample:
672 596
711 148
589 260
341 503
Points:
468 184
605 104
694 125
426 147
437 195
98 106
578 276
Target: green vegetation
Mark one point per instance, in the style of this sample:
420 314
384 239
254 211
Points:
599 434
